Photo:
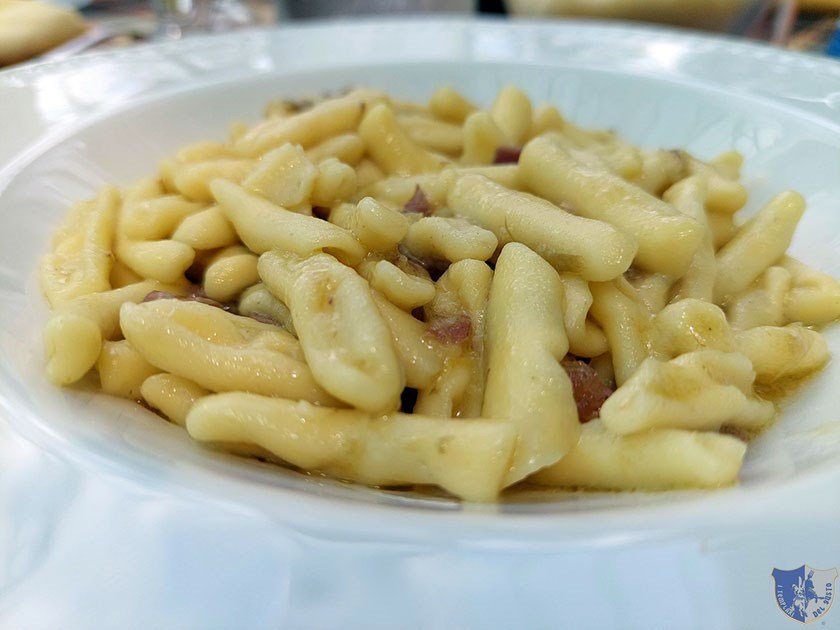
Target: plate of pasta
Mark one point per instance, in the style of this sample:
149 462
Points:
497 278
407 294
300 319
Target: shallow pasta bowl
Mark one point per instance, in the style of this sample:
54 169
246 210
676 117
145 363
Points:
69 128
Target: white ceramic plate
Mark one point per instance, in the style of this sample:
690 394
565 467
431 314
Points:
109 515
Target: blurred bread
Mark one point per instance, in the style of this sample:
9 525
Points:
819 5
705 14
29 28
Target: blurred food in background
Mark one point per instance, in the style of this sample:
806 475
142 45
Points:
34 29
819 5
301 9
177 18
29 28
714 15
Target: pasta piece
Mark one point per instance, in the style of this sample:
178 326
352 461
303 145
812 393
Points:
466 457
620 158
666 240
723 228
441 399
584 153
724 195
525 341
399 190
458 391
229 273
688 196
434 135
813 307
153 219
701 391
463 288
74 333
142 190
651 289
728 164
80 260
347 147
258 302
284 176
664 459
122 370
408 108
220 351
511 111
545 118
367 172
342 214
587 137
404 290
449 239
505 174
758 244
104 308
763 304
391 148
594 249
336 182
310 127
449 105
164 260
207 229
376 226
778 353
347 344
192 179
172 395
659 170
586 339
263 226
625 325
814 298
204 151
689 325
482 137
122 275
71 345
420 355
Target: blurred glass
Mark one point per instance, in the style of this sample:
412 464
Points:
734 16
177 18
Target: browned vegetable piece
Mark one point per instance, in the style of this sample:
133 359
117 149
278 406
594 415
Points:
507 155
419 203
589 390
737 432
454 329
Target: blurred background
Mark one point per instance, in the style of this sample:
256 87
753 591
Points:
37 30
